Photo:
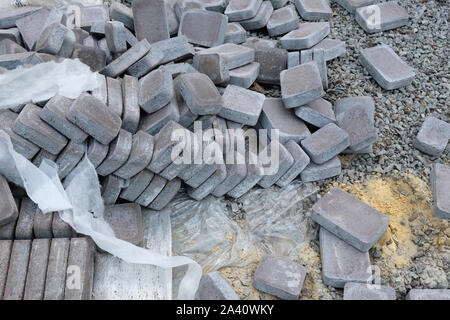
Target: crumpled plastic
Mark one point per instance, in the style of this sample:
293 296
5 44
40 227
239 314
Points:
49 4
82 206
41 82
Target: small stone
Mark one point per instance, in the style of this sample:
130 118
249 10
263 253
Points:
389 15
260 20
307 35
433 136
318 172
126 222
96 152
301 161
350 219
313 10
360 291
69 157
166 195
156 90
118 153
283 21
150 20
238 10
319 113
245 76
235 33
280 277
137 185
214 287
440 180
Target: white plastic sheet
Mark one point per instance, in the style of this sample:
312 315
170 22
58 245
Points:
83 208
41 82
11 4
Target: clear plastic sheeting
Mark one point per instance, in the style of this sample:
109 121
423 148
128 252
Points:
275 222
49 4
41 82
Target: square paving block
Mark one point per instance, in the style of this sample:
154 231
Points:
154 122
238 10
332 48
152 191
245 76
381 16
126 222
428 294
272 62
150 20
260 20
137 185
167 194
8 18
313 10
433 136
96 152
235 33
209 185
283 21
111 188
118 154
69 157
307 35
156 90
277 161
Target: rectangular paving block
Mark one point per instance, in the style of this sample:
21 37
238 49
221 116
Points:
236 173
25 221
104 46
41 155
69 158
150 20
126 222
272 62
326 143
5 252
96 152
318 172
17 270
175 69
7 231
305 36
152 191
440 183
92 14
166 195
52 39
319 58
20 145
122 13
42 225
60 228
360 291
131 109
209 185
140 155
238 10
95 118
56 270
301 85
344 105
115 36
118 154
111 186
282 21
37 270
101 93
213 286
244 76
262 17
8 18
181 6
319 113
255 172
137 185
386 67
235 55
10 47
213 65
81 265
342 263
94 57
235 33
388 15
314 10
259 43
11 34
242 105
155 90
14 60
199 93
154 122
301 161
428 294
127 59
333 48
8 207
361 131
278 3
433 136
115 101
350 219
204 28
352 5
279 276
276 160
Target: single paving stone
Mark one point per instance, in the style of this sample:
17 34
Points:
91 43
111 188
389 15
359 127
342 263
236 173
60 228
433 136
98 29
301 85
214 5
199 93
279 276
277 161
213 65
69 157
238 10
319 113
200 171
204 28
37 270
440 184
363 291
350 219
119 151
172 19
164 145
24 226
95 58
137 185
313 10
126 222
332 48
166 195
20 145
41 155
9 18
181 6
115 101
154 122
10 47
307 35
101 93
17 271
318 172
272 62
301 161
57 268
5 252
235 55
345 105
235 33
122 13
52 39
96 152
152 191
255 172
115 36
30 126
140 155
156 90
428 294
352 5
386 67
214 287
242 105
81 262
293 59
255 42
131 109
8 207
104 46
209 185
262 17
150 20
283 21
13 60
7 232
42 225
319 58
12 34
245 76
95 118
92 14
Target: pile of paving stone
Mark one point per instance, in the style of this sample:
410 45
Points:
168 66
